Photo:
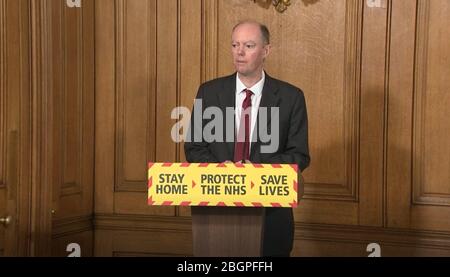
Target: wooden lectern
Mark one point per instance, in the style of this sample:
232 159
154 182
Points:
230 231
227 231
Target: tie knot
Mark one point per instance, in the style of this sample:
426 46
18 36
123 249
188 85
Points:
248 98
248 93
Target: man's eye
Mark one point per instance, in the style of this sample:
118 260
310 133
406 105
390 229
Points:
250 46
234 45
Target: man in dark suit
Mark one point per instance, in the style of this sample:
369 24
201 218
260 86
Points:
249 89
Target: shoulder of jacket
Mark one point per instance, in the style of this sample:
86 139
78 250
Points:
287 88
217 82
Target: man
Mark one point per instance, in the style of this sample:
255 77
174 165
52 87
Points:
248 89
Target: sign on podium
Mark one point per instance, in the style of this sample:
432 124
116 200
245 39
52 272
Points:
224 184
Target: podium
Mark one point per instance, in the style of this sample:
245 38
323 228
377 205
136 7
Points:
228 222
231 231
227 231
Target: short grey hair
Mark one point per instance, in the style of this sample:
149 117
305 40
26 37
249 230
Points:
263 28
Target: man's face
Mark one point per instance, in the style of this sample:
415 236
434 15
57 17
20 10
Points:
248 49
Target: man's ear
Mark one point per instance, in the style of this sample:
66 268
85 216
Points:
267 49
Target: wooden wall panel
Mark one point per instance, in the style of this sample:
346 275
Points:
418 197
136 82
145 97
104 106
68 120
167 77
73 108
430 160
431 149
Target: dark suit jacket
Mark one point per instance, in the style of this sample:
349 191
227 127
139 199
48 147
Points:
292 149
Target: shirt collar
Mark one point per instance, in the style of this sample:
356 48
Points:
256 88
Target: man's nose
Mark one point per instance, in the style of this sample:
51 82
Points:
240 51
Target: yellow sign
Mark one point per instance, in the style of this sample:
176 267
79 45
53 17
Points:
212 184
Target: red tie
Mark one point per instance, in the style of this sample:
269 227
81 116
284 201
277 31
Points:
242 144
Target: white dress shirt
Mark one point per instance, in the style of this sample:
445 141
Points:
256 99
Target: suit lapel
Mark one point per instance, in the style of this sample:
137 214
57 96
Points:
269 99
227 98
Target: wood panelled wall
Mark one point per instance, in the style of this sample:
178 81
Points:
108 74
46 127
148 60
50 103
375 83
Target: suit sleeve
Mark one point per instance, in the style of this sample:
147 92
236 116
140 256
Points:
296 150
196 148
